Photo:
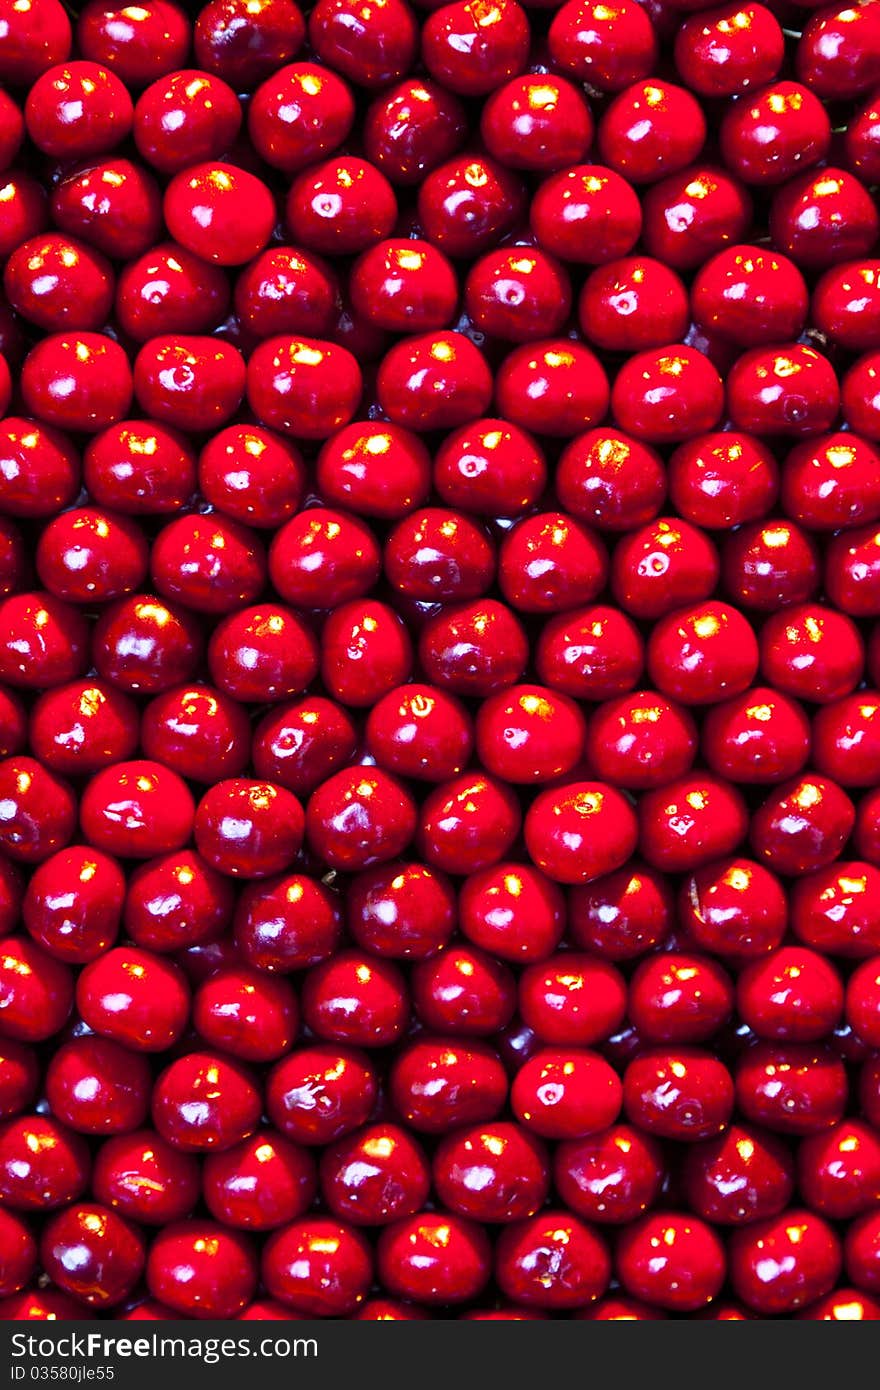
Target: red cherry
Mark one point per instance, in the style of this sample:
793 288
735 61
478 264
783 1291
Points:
463 991
700 654
169 290
552 1261
651 129
73 904
770 566
98 1087
185 117
245 40
78 109
375 1176
203 1101
137 45
357 1000
57 282
19 1259
566 1093
684 1094
248 829
678 997
77 381
137 810
672 1260
466 203
35 38
92 1253
43 1165
288 924
607 47
610 1177
473 52
318 1267
38 811
135 998
298 745
519 295
437 1084
793 993
434 380
219 212
371 45
832 56
200 1269
774 134
621 915
115 206
631 304
491 468
176 901
591 653
823 219
319 1093
259 1184
782 1263
303 386
791 1088
537 122
759 736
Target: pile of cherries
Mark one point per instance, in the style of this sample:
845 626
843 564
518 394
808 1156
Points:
440 659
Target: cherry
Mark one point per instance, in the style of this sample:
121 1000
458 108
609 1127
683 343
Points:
318 1267
553 1261
73 904
35 38
683 1093
468 201
43 1165
200 1269
608 47
375 1176
537 122
782 1263
115 206
92 1253
472 52
78 109
185 117
97 1087
672 1260
259 1184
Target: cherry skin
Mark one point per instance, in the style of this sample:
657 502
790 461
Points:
861 396
318 1267
640 741
35 38
434 380
303 386
77 381
321 1092
36 991
200 1269
78 109
341 206
768 137
185 117
300 113
468 824
287 924
43 1165
839 1171
473 648
588 214
19 1258
512 911
19 1076
553 1261
176 901
684 1094
248 829
204 209
651 129
861 141
360 817
73 904
259 1184
366 652
770 565
88 555
621 915
136 46
521 295
115 206
743 1176
529 734
729 50
262 653
758 736
843 1305
679 998
566 1093
802 825
25 213
44 641
702 653
143 645
116 477
246 1013
189 381
721 480
375 1176
557 388
298 745
550 562
39 811
665 395
204 1101
671 1260
572 999
608 47
370 46
791 1088
472 53
862 1002
491 468
169 290
846 305
782 1263
537 122
832 910
611 479
463 990
793 993
135 998
580 832
465 204
436 1084
45 1305
57 283
357 1000
823 219
861 1251
353 470
92 1253
610 1177
40 469
812 652
197 730
420 732
748 296
137 810
666 565
633 303
412 128
97 1087
832 53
